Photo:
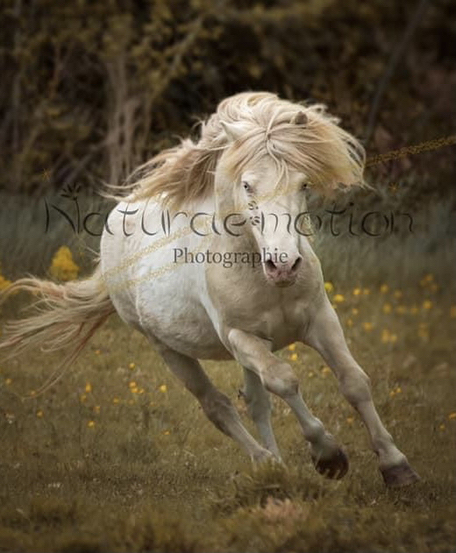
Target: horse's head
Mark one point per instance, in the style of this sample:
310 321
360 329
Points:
274 150
273 204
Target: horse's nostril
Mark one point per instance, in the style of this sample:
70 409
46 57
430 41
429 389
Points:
270 265
296 264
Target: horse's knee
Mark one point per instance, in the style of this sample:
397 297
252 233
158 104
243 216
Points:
355 386
280 379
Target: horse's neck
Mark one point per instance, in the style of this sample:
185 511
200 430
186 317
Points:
233 237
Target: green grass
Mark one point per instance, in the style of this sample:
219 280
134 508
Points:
117 456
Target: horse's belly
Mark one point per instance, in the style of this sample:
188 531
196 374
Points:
174 316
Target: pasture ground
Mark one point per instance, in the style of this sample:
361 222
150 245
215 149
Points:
119 457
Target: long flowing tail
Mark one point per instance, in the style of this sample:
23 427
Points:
64 315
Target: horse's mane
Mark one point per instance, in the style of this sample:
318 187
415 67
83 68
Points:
328 155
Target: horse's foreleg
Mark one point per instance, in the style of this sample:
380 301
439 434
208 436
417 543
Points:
326 336
217 406
278 377
259 408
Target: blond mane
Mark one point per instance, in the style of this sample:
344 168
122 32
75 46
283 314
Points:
328 155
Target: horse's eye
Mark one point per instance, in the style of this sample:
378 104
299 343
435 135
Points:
304 186
246 186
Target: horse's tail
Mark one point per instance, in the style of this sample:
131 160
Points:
64 315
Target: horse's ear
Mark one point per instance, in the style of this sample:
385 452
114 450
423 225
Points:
233 131
299 119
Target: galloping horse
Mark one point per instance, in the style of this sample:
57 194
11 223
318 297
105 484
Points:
254 159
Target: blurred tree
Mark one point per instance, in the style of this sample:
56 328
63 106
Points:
91 89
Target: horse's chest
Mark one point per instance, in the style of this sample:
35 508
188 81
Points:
274 318
272 313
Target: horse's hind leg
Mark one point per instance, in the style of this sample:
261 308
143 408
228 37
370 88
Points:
217 406
278 377
259 408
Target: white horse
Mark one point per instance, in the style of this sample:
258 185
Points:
231 285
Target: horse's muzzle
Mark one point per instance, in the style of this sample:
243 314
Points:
282 274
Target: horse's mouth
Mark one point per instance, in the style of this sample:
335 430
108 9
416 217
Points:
281 283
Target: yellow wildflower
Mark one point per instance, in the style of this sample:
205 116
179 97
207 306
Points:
423 332
292 347
384 288
8 381
115 400
427 304
357 291
91 424
96 409
63 267
131 366
294 356
398 294
338 298
442 427
166 433
132 384
368 326
325 370
329 287
39 414
387 308
349 323
4 283
88 388
163 389
452 416
355 311
350 420
387 336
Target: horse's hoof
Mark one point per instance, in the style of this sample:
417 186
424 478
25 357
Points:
335 467
399 475
264 456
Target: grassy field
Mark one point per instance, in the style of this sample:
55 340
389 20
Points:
119 457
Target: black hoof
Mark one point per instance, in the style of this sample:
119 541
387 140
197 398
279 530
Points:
335 467
399 475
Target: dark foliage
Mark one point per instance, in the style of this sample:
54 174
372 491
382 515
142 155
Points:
91 89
